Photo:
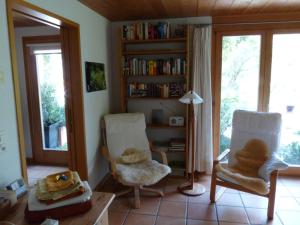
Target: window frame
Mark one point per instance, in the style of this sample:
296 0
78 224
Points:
266 30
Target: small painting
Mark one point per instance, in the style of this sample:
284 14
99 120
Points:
95 76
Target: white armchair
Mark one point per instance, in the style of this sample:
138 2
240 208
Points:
128 131
263 129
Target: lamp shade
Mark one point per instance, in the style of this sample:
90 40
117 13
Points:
191 97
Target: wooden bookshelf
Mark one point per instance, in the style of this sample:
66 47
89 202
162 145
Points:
151 41
157 76
154 52
164 126
151 98
172 48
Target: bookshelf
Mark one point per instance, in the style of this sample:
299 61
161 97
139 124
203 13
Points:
154 74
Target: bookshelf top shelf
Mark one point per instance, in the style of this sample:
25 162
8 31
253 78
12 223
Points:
149 41
157 76
164 126
154 52
152 98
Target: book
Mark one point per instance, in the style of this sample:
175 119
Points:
152 67
145 31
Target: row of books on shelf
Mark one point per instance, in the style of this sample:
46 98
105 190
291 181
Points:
153 67
174 144
144 31
166 90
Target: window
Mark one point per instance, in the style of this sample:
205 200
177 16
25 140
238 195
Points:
258 70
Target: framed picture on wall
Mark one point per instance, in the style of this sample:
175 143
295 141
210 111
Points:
95 76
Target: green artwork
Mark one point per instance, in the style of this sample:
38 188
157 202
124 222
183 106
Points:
95 77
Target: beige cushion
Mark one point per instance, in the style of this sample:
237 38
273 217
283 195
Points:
133 155
144 173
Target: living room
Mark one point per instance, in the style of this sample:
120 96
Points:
188 72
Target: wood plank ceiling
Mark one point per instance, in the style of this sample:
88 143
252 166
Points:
118 10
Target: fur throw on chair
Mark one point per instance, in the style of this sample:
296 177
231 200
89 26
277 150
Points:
245 171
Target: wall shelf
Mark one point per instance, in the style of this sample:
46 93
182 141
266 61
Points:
154 52
164 126
151 98
150 41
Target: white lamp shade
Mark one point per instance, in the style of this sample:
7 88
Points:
191 97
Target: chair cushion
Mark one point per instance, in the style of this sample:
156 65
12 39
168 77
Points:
125 130
144 173
273 163
248 125
229 174
133 155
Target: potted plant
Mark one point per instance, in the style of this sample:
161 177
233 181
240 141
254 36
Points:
53 115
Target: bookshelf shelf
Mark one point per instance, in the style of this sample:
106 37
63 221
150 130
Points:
150 41
156 76
154 52
164 126
152 98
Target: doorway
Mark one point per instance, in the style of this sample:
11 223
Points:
45 87
66 147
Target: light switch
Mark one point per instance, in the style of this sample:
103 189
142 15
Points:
1 77
2 141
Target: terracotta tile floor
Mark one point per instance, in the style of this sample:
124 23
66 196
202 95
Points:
36 172
233 208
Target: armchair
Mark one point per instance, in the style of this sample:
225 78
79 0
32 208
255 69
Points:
262 132
128 131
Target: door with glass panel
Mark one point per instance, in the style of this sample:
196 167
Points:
239 79
285 92
46 99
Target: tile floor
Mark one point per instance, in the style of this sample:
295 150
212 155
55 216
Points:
36 172
233 208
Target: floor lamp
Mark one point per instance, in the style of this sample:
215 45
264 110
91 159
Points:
191 188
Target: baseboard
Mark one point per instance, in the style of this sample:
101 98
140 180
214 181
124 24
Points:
103 181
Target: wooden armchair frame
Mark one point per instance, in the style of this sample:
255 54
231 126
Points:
216 181
132 187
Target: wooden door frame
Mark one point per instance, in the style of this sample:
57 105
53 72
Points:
70 41
266 30
216 81
50 156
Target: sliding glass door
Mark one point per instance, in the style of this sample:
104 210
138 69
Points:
258 70
239 79
285 92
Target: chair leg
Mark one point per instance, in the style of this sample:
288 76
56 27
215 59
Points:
160 193
272 194
137 202
213 185
118 194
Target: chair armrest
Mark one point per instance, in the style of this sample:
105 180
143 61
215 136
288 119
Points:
112 162
162 154
272 164
222 156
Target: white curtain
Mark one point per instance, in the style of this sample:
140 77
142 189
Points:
201 84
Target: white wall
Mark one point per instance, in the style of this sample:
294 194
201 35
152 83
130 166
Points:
9 159
115 26
19 34
94 47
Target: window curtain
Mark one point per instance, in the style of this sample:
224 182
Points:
201 84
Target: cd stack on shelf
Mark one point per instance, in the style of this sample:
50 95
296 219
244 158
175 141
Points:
177 145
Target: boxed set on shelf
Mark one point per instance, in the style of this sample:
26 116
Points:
153 67
145 31
166 90
175 144
57 196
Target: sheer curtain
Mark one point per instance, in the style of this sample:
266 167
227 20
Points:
201 84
